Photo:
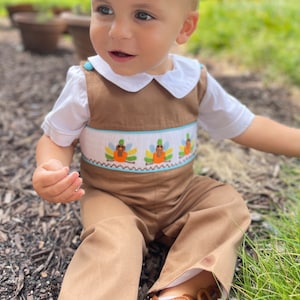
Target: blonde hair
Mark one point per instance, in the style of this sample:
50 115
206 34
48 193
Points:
195 4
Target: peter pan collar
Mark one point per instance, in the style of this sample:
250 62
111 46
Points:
179 81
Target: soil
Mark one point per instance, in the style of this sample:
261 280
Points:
37 239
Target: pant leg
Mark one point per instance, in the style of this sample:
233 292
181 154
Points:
207 236
108 262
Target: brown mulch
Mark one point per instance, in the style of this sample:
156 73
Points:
37 239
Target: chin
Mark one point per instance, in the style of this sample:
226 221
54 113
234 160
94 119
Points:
124 72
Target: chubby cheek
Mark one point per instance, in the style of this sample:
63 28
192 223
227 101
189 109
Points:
97 36
93 37
98 46
155 47
149 44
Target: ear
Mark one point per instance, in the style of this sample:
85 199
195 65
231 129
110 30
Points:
188 27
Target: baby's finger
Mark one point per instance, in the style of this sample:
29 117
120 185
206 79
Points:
68 189
75 195
43 178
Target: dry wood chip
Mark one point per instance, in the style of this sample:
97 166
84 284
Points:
256 217
41 244
40 254
44 274
3 236
20 282
38 269
41 209
8 197
6 216
21 208
49 259
18 242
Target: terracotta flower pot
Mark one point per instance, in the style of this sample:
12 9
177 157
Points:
38 34
57 10
79 27
16 8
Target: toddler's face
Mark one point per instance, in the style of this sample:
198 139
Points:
135 36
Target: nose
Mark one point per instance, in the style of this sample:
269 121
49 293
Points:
120 29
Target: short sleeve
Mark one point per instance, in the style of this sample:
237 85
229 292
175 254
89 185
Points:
222 115
64 123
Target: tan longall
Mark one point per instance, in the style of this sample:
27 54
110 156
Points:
203 220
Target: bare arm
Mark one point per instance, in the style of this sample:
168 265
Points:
51 178
46 150
270 136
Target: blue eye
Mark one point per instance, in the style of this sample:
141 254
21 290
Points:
104 10
141 15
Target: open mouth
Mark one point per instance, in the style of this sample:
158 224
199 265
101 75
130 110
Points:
120 54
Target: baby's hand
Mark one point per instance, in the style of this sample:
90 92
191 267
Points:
53 182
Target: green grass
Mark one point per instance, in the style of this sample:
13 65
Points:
271 266
44 3
263 35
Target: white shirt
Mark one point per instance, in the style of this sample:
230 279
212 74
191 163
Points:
220 114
